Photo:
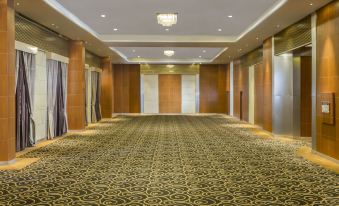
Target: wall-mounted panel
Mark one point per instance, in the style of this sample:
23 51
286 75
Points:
169 93
212 84
151 94
126 82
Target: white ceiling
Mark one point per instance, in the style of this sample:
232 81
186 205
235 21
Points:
198 22
156 54
195 17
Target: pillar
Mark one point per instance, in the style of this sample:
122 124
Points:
7 82
76 86
107 88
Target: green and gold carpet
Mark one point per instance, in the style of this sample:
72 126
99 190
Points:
169 160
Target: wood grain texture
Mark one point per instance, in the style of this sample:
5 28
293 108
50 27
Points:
228 88
126 83
213 89
328 75
7 81
106 88
306 96
170 93
267 84
76 86
259 94
240 86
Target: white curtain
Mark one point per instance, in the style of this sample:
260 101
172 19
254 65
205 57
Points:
52 80
64 67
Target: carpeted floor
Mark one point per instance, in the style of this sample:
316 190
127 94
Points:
169 160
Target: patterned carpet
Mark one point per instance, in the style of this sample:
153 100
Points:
169 160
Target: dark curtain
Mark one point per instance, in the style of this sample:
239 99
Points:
23 107
98 93
60 119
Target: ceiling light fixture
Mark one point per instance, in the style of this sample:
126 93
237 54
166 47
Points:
311 4
230 16
204 51
219 29
103 15
138 56
167 29
167 19
115 29
169 53
200 56
133 50
170 66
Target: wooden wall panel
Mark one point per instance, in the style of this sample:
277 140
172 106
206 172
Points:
169 93
7 82
259 94
306 96
213 89
267 83
228 88
76 86
240 91
134 89
126 83
106 88
328 76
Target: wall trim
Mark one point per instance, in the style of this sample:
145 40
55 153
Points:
57 57
26 47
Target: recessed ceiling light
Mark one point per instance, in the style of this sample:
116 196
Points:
167 19
18 4
53 24
204 51
311 4
138 56
133 50
103 15
219 29
115 29
278 26
230 16
257 38
167 29
169 53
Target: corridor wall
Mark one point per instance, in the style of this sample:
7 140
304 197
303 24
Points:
212 88
327 53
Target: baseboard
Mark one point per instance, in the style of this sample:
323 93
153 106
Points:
325 156
5 163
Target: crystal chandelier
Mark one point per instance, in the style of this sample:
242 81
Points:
167 19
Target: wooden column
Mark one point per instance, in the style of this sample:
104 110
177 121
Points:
76 86
267 79
7 82
107 88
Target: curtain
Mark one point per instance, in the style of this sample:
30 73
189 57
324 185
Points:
56 98
25 75
94 86
86 96
98 98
